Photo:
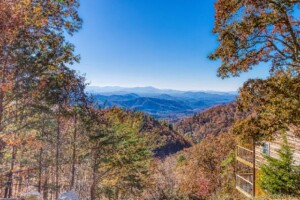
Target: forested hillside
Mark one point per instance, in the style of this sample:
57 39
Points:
159 136
204 171
168 105
106 145
215 120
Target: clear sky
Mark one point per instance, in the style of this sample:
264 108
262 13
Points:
160 43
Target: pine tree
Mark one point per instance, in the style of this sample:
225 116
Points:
281 176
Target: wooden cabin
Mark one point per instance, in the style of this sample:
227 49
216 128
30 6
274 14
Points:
250 157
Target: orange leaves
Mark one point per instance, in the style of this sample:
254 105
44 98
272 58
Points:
245 29
37 10
274 103
201 174
5 87
14 139
68 25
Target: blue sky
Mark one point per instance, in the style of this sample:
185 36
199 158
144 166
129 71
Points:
160 43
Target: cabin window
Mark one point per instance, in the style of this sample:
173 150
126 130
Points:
266 148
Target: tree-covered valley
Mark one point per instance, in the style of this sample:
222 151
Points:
169 105
60 136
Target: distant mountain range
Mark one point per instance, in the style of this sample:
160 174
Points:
145 90
162 104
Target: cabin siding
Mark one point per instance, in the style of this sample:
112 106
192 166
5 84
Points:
274 146
245 181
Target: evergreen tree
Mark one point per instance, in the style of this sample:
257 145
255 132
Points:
281 176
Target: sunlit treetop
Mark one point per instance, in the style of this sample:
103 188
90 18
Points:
256 31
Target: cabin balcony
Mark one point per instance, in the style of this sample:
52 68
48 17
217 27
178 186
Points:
244 156
245 171
244 184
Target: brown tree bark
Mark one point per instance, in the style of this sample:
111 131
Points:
94 176
57 159
40 170
45 184
74 154
41 160
1 108
9 184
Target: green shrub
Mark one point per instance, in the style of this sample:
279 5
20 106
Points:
281 176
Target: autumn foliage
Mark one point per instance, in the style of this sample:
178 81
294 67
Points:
251 32
54 137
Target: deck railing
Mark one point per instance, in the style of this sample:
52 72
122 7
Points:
244 184
244 153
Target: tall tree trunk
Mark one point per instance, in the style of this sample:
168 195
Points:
40 170
57 159
21 177
1 108
41 159
52 182
9 184
1 118
94 177
73 168
2 95
45 184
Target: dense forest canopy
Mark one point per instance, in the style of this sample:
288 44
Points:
216 120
